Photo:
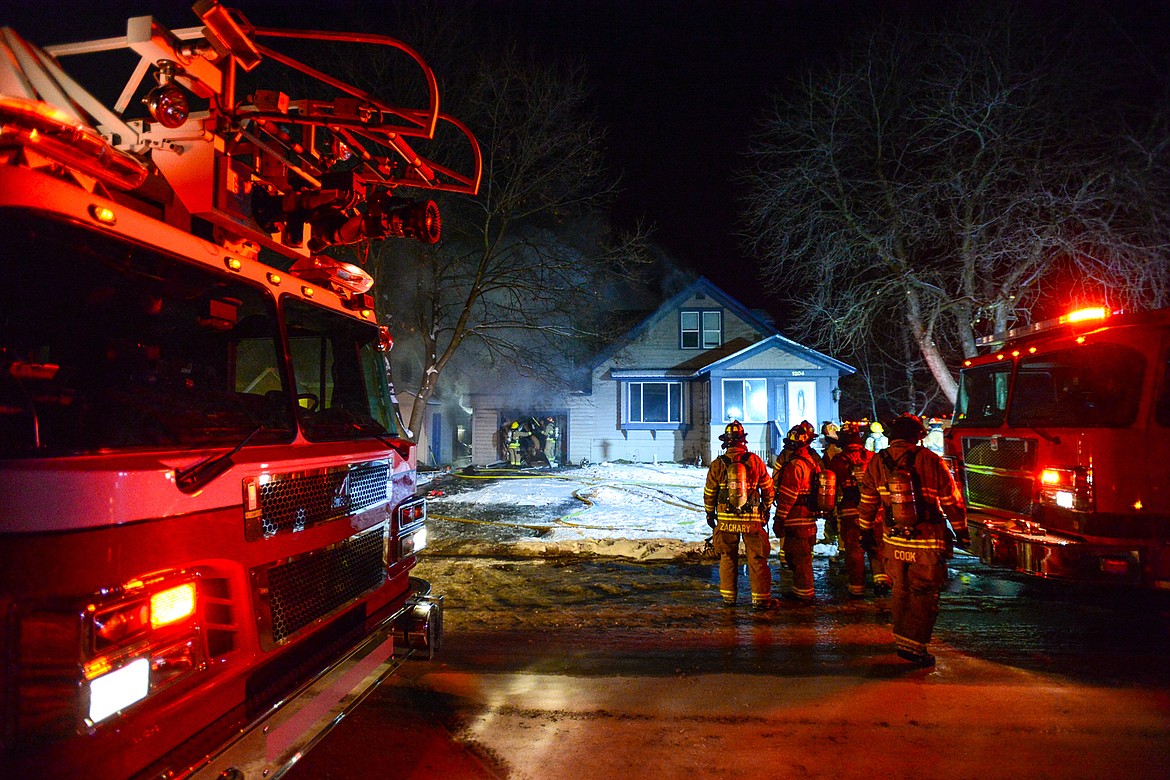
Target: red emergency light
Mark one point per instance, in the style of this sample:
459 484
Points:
1084 315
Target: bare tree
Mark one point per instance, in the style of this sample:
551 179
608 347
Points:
943 180
524 272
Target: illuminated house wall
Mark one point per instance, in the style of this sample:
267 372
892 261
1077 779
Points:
665 391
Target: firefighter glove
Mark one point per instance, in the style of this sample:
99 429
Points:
764 518
868 543
778 528
963 538
711 519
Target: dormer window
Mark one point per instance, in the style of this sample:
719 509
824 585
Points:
700 329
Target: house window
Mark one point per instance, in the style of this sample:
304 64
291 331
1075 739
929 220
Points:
655 402
700 329
745 400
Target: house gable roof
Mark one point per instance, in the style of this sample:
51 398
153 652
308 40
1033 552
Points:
671 305
776 342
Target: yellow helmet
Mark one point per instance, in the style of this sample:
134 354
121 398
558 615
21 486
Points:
876 427
515 425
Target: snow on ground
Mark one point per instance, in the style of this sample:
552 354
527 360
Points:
629 510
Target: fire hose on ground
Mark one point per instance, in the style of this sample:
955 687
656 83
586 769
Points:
564 521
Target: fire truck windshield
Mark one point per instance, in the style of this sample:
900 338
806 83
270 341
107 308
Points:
341 383
1096 385
983 395
107 345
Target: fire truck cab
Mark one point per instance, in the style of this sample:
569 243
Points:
208 518
1061 442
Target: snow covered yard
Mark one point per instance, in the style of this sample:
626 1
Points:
627 510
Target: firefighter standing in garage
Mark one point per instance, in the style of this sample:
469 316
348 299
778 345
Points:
849 465
514 444
917 541
737 495
796 522
551 435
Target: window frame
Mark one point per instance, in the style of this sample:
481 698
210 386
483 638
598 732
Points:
673 386
699 331
742 382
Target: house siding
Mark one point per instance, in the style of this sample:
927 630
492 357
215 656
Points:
594 428
659 346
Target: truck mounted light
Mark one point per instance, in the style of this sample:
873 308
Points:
172 605
1066 488
337 275
118 689
1084 315
1118 567
167 103
102 214
412 542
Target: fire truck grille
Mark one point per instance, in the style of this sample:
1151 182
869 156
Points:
1011 494
294 502
314 585
1000 453
999 473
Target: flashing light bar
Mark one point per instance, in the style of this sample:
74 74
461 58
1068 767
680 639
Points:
1083 315
1086 315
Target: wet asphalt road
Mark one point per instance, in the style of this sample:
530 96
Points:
603 668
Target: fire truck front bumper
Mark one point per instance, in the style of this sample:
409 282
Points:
274 742
1025 547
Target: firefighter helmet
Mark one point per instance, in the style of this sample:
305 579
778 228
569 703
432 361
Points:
876 427
798 436
733 433
829 430
515 425
908 427
849 437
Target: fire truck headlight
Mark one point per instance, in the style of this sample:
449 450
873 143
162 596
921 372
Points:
1066 488
118 689
413 542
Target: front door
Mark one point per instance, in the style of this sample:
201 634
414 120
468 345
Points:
802 403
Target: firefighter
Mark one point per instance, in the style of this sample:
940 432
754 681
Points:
829 449
786 454
919 496
737 496
934 436
876 441
532 443
850 465
514 443
830 444
551 434
795 519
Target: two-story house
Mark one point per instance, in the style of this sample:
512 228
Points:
665 391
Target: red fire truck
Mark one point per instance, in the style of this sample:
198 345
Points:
1061 441
208 517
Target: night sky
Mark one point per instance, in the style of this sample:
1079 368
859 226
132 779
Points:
680 85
